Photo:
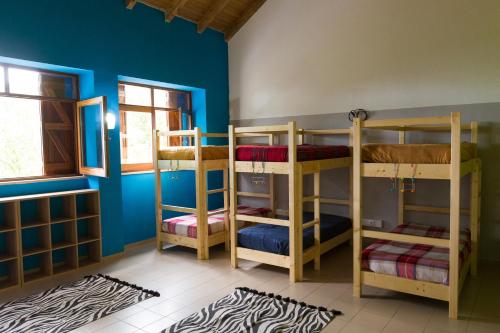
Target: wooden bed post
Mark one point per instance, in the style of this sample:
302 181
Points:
201 199
317 234
295 208
272 184
454 215
401 194
225 186
474 203
233 199
158 207
350 179
356 192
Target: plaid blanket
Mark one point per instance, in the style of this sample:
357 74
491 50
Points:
414 261
186 225
280 153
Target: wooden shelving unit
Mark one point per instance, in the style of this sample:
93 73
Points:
46 234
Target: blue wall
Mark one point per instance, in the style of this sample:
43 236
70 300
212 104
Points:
105 42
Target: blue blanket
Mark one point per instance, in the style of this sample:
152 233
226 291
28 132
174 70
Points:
275 239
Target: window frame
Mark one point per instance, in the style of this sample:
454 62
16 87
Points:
41 98
123 108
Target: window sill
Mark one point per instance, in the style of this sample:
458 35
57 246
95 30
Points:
130 173
40 180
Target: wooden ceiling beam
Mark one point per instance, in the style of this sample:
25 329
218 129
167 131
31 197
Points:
245 16
172 12
211 14
130 4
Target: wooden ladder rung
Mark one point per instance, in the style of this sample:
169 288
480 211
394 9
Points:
310 198
310 223
179 209
263 220
217 211
219 190
254 195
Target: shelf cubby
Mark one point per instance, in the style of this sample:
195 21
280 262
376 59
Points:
35 240
89 253
89 230
9 273
63 234
62 209
37 266
35 212
64 259
8 216
87 205
8 246
48 233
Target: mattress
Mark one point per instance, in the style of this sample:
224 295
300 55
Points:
186 225
280 153
414 261
275 239
187 153
415 153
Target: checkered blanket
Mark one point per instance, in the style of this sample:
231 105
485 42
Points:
414 261
186 225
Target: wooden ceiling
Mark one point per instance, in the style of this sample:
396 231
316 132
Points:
226 16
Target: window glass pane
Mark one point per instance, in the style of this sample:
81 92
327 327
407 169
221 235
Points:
23 81
183 101
2 79
162 98
136 138
20 138
134 95
91 125
56 85
162 125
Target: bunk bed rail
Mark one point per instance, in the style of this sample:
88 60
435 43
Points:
190 133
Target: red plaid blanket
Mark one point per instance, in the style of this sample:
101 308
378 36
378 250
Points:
414 261
280 153
186 225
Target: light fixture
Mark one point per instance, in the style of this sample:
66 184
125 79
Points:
110 120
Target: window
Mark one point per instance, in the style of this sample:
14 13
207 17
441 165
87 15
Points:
37 123
142 109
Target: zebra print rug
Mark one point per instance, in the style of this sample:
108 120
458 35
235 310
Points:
70 306
247 310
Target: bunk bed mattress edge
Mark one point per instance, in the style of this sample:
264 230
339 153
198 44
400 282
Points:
414 261
183 153
186 225
275 239
415 153
280 153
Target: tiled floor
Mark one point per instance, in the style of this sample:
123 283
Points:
186 285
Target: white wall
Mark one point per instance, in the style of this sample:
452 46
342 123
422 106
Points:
304 57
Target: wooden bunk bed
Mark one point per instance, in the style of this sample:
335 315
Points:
258 160
199 159
449 254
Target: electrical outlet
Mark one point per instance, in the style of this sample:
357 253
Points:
373 223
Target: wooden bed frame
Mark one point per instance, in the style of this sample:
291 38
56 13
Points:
200 167
452 172
295 170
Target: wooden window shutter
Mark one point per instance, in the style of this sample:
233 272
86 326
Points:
175 124
58 127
